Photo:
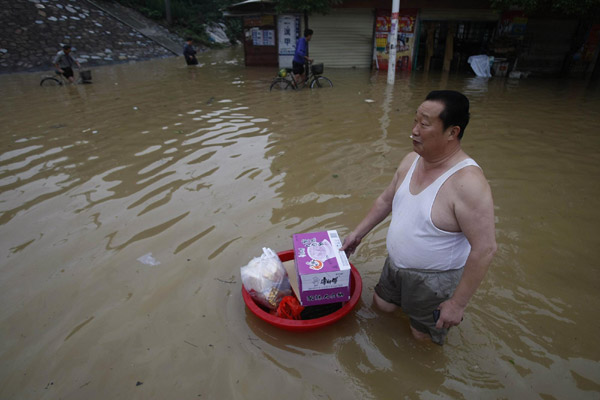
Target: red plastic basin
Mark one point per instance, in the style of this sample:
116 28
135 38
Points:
305 325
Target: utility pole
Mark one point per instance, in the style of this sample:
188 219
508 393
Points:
392 41
168 11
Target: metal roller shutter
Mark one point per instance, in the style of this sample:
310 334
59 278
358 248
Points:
342 38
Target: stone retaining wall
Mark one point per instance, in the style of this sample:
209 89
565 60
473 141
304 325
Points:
32 31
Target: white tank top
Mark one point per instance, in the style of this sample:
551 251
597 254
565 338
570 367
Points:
413 241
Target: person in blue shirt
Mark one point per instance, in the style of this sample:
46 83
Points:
301 56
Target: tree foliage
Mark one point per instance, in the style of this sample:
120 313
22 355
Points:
182 10
189 17
306 6
572 8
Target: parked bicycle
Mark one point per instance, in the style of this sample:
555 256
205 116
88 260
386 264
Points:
285 79
58 79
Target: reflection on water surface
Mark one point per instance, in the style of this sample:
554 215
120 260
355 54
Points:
203 167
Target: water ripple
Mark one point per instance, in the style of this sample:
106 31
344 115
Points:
203 167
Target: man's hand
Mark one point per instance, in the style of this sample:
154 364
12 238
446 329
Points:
451 314
351 242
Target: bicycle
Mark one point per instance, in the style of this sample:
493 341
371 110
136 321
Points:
59 80
285 79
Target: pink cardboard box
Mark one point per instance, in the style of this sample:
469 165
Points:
323 270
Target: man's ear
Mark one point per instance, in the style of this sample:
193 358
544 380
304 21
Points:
454 132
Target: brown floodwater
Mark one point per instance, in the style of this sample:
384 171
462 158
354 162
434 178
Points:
128 206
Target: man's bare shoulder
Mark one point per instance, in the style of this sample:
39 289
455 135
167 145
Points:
473 206
470 174
402 170
470 184
404 166
407 161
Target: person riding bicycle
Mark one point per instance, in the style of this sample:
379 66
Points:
63 62
301 56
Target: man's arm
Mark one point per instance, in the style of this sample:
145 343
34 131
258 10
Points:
55 62
305 52
76 62
381 208
302 49
474 210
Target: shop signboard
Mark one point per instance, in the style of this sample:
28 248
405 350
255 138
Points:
405 40
288 32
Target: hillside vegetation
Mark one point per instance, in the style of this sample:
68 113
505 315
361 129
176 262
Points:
189 18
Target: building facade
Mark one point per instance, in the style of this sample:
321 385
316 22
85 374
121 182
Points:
434 35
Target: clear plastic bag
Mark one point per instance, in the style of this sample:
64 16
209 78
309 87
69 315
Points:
266 280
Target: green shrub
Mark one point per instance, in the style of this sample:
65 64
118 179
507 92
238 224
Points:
189 17
150 13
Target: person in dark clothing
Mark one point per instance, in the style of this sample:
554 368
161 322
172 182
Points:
189 53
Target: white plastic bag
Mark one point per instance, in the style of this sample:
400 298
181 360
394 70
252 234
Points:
480 65
266 280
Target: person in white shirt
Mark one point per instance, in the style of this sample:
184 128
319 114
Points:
64 63
441 238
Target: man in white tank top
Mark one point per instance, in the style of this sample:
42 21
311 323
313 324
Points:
441 238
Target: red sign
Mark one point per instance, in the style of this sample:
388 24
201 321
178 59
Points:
404 43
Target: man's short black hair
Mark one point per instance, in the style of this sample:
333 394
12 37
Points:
308 32
67 47
189 39
456 108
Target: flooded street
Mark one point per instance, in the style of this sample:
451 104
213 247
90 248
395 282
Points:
128 206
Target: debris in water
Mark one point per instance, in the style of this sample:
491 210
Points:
148 259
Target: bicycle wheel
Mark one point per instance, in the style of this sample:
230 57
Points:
50 81
321 82
281 84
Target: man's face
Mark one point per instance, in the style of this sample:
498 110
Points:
428 134
67 51
308 38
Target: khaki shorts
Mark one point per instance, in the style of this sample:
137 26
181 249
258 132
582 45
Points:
418 292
